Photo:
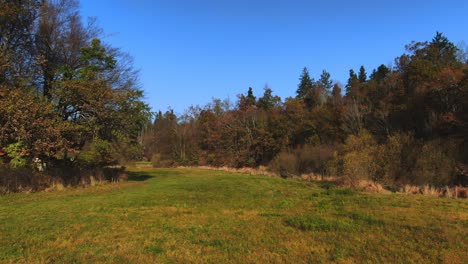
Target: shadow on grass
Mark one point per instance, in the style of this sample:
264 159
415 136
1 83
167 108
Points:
138 176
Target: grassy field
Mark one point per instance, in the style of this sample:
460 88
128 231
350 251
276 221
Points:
198 216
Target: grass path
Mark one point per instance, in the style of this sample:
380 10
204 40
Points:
198 216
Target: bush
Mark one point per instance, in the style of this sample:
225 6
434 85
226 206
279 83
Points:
360 165
436 164
314 159
401 160
360 159
307 159
99 153
158 162
285 164
16 152
398 158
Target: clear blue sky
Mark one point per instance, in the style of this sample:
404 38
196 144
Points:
190 51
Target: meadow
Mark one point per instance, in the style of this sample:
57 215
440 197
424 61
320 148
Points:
203 216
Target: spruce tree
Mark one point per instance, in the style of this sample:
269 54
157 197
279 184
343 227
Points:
362 75
305 85
352 81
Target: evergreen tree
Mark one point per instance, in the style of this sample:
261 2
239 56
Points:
441 51
324 86
362 75
325 82
247 101
250 95
379 74
305 85
267 101
352 81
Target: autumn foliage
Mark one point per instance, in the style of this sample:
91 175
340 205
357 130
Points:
405 124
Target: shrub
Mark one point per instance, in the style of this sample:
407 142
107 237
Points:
307 159
99 153
436 164
285 164
159 162
314 159
360 165
359 160
397 158
17 153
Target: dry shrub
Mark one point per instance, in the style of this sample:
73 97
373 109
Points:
314 159
400 161
360 159
428 190
397 158
409 189
460 192
360 165
285 164
436 164
252 171
21 180
160 162
304 160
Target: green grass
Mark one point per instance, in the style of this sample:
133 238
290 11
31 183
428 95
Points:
200 216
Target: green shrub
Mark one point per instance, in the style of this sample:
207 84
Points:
99 153
17 153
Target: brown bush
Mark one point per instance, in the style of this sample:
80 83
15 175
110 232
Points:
285 164
436 164
397 159
160 162
360 160
307 159
314 159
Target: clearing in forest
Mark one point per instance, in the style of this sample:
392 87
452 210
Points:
201 216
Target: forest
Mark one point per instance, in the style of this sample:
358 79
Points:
72 108
401 124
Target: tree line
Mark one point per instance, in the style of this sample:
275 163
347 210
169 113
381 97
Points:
67 99
405 124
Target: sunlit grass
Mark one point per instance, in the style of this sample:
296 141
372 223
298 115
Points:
199 216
